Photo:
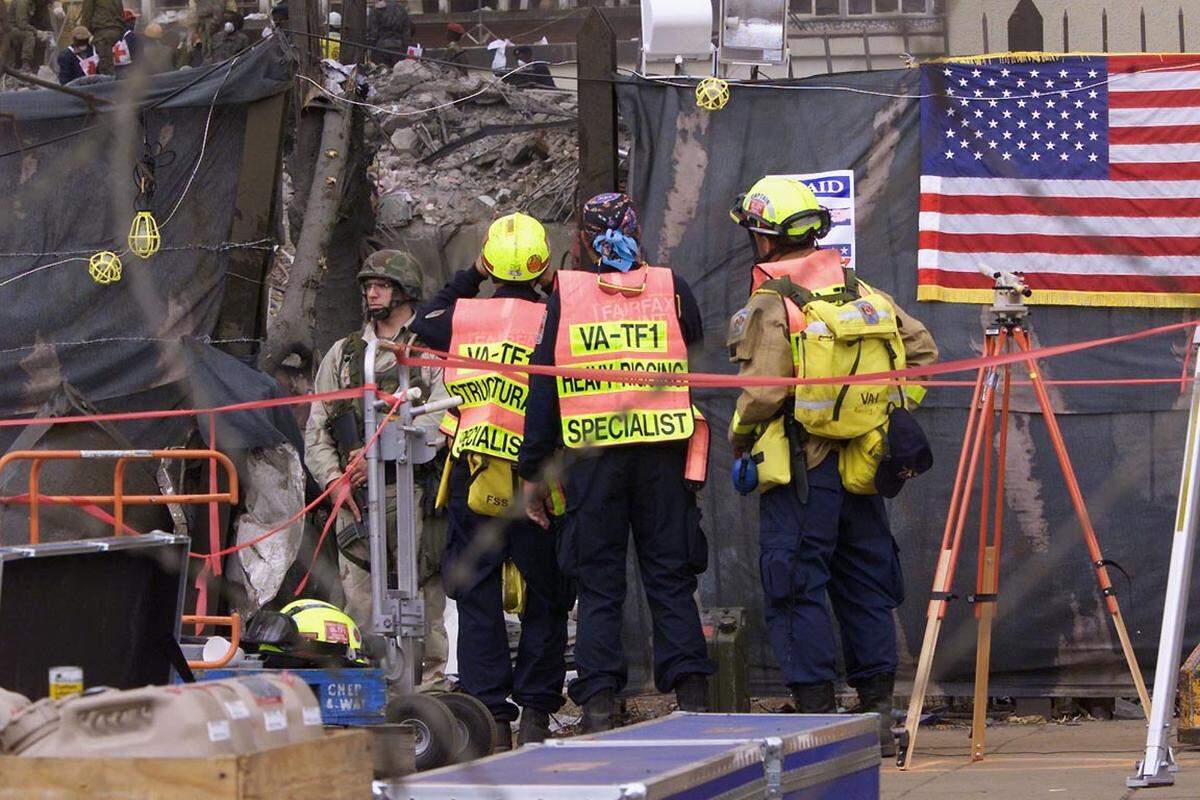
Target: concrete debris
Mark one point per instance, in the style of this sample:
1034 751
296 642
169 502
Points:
426 111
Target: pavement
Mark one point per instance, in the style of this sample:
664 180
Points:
1072 761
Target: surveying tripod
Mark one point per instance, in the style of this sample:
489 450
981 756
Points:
1006 333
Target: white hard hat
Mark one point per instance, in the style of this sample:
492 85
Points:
335 19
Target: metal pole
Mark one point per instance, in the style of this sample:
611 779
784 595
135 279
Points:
382 623
412 605
1157 766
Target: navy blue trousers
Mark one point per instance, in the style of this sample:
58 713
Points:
837 544
476 549
638 488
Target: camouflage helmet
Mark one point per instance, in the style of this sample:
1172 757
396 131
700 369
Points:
397 266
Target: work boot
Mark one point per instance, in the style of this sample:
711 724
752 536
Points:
691 692
503 736
875 697
534 727
598 712
814 698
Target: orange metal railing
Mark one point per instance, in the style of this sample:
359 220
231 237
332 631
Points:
233 622
118 499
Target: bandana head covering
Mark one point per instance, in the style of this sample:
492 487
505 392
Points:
611 225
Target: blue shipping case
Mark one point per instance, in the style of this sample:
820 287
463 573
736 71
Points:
805 756
596 771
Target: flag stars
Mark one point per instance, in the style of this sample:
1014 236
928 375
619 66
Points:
1006 93
1050 124
1020 145
1035 156
978 113
992 123
1020 104
975 73
949 154
1035 135
1063 156
1005 134
1049 104
1062 73
1078 125
1034 73
950 133
1004 73
1091 156
1035 94
1093 115
1020 123
964 144
962 81
1007 113
1049 84
1036 114
1064 115
992 144
1064 136
1006 156
978 155
1020 83
978 134
1078 84
1049 145
991 103
1091 73
979 92
1079 104
991 82
1079 145
1093 94
1093 136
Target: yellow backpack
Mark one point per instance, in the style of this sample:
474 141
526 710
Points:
843 335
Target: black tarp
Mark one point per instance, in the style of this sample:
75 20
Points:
1052 634
68 178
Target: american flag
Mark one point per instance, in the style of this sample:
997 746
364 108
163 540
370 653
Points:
1081 171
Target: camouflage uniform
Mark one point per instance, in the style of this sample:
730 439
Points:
22 35
104 18
338 370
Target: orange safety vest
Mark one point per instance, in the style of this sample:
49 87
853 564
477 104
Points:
491 419
622 322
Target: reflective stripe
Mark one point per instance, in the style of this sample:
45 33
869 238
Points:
915 394
627 427
491 419
815 405
626 322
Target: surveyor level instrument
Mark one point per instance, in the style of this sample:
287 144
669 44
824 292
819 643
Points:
1005 332
1158 767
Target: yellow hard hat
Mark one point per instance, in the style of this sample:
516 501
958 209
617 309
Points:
780 206
325 631
515 248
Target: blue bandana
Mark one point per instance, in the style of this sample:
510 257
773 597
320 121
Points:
616 249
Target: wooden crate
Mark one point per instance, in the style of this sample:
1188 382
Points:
335 767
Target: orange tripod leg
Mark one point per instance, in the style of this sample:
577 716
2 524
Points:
1085 522
987 581
951 541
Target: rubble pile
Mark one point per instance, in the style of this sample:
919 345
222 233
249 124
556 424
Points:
456 146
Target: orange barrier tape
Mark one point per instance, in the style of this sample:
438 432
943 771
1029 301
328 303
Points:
729 381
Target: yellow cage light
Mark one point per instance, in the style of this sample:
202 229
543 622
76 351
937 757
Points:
144 238
105 267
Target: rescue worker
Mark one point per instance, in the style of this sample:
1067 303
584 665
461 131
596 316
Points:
79 59
391 285
484 534
629 447
816 537
106 21
534 75
389 32
331 45
22 34
231 39
454 52
126 49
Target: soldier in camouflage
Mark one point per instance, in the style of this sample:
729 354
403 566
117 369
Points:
391 285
